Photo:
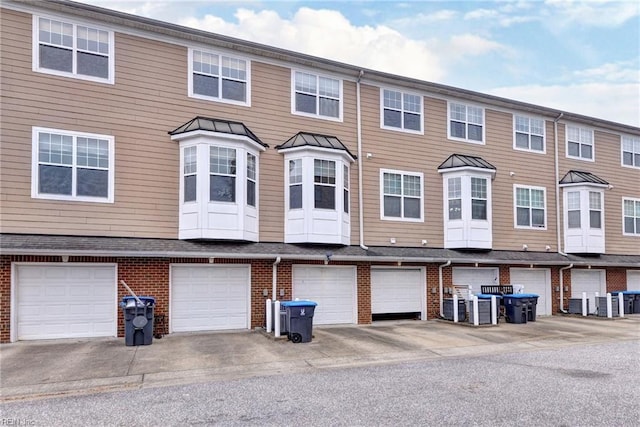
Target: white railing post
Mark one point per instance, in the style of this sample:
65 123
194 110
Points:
609 307
620 304
276 318
584 303
494 310
269 312
455 308
476 315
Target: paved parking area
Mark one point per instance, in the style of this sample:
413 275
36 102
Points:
50 368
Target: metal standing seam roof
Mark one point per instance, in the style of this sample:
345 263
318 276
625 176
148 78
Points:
217 125
302 139
461 160
579 177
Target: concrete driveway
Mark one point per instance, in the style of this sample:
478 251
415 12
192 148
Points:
60 367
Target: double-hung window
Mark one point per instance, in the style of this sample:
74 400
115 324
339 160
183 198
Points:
345 193
324 179
530 207
218 77
528 133
631 214
478 198
573 209
190 174
315 95
72 166
454 196
466 122
580 143
222 174
295 184
75 50
595 209
631 151
402 195
401 111
251 180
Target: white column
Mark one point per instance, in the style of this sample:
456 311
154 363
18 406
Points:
269 312
620 304
276 318
455 308
584 303
609 307
494 310
476 315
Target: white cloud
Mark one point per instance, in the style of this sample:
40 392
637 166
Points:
624 71
600 13
614 102
473 45
328 34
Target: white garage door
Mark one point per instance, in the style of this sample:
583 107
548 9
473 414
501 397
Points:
398 290
333 288
65 301
210 297
475 276
589 281
535 281
633 280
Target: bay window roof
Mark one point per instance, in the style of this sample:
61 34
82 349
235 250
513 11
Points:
579 177
218 126
302 139
463 161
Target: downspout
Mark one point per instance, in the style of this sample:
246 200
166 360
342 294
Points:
447 264
359 137
562 287
555 134
274 283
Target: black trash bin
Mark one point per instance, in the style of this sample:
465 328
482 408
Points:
299 320
631 301
138 320
532 306
515 308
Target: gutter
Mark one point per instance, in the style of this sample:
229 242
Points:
359 137
557 183
274 283
562 287
441 287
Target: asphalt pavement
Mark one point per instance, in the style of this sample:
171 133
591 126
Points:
44 369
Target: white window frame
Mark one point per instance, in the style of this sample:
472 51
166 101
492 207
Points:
402 111
73 48
529 133
323 180
219 98
252 178
634 141
636 218
35 170
530 207
466 122
402 196
581 130
346 187
317 115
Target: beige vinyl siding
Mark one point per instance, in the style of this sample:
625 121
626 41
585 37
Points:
625 182
149 98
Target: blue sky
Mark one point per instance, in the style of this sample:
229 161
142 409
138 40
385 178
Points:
578 56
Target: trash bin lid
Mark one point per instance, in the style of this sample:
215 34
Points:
522 296
625 292
299 303
145 300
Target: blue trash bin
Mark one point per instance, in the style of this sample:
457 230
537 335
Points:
138 320
631 301
299 320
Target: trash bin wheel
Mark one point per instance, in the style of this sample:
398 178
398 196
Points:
296 338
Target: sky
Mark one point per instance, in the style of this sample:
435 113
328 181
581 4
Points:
577 56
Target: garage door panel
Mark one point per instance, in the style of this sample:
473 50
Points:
65 301
210 298
333 288
397 291
535 281
633 280
590 282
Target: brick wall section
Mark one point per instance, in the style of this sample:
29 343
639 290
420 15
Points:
433 300
261 280
364 293
5 298
616 279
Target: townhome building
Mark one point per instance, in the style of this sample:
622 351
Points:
213 174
